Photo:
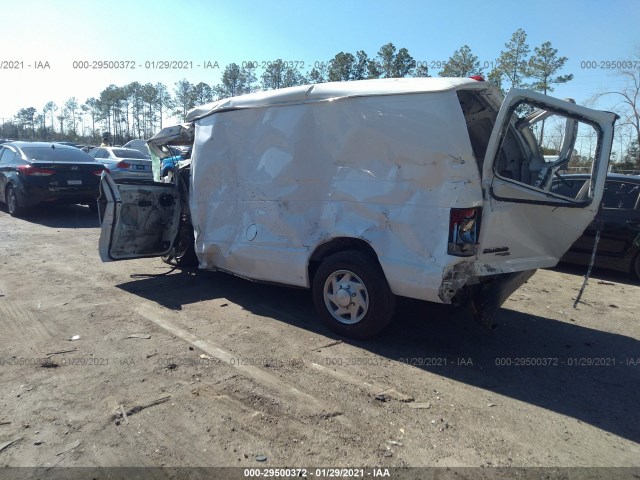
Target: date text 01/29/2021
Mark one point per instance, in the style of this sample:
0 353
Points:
317 472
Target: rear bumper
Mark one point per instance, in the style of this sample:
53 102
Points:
29 196
130 174
486 298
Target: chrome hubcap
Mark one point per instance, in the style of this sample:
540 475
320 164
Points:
346 297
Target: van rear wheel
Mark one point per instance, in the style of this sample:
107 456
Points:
352 295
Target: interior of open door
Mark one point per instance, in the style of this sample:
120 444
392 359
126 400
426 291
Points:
139 219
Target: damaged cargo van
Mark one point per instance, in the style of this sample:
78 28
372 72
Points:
437 189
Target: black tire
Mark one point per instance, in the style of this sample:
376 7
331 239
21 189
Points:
183 254
635 266
11 199
370 301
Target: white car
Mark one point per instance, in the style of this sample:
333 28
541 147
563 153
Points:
124 162
138 144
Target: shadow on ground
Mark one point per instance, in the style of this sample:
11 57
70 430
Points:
62 216
597 274
587 376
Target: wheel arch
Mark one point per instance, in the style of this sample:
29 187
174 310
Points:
336 245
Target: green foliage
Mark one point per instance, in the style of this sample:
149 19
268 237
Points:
463 63
137 111
235 81
542 67
390 64
422 71
279 75
513 61
319 74
632 156
341 67
202 93
184 98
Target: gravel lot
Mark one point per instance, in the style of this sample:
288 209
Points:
225 372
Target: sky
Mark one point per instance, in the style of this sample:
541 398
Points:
199 33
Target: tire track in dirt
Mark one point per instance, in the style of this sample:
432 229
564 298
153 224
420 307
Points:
162 319
20 320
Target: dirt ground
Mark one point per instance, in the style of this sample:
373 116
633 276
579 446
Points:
225 372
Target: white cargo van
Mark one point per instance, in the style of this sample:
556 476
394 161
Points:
436 189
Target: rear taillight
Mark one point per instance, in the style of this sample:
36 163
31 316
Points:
464 231
478 78
99 172
35 171
123 164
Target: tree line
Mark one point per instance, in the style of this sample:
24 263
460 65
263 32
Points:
137 110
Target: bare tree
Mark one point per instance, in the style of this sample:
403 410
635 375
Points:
628 97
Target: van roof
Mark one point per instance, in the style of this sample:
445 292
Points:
333 90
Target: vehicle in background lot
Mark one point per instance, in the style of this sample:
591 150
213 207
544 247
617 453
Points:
619 244
169 165
138 144
124 162
71 144
37 172
434 188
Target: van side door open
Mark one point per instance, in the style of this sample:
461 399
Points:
139 219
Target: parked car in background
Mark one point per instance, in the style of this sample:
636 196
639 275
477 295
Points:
140 145
619 244
37 172
71 144
124 162
169 165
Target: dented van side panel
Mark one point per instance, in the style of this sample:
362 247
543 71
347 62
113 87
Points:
272 184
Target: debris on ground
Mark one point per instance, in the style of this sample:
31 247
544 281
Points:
62 351
122 414
393 394
6 445
69 447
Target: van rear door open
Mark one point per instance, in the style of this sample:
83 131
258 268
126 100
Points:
525 223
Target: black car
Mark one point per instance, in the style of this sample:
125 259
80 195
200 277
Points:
619 245
37 172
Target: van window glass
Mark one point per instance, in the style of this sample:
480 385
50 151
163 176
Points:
567 186
540 146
